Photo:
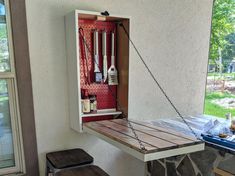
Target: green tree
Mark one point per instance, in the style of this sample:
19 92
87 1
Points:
228 53
223 24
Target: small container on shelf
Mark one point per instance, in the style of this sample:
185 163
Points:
86 108
93 103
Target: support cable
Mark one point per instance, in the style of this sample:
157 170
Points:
142 147
157 82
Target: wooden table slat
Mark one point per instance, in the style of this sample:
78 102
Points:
159 143
156 133
173 132
124 139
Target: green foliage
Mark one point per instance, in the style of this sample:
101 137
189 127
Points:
216 110
4 53
228 53
223 24
218 95
3 32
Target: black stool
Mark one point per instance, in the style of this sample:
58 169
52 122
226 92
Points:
90 170
66 159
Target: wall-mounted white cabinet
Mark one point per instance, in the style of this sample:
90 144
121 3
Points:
90 38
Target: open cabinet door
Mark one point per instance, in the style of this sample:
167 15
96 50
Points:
84 31
158 142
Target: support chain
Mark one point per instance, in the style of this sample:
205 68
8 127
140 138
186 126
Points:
156 81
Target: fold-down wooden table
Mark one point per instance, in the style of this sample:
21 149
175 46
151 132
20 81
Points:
158 142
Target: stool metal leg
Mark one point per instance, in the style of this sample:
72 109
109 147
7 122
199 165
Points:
50 170
47 169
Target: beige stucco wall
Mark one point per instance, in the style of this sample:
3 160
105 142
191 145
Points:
173 37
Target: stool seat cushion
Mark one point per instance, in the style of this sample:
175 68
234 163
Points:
90 170
69 158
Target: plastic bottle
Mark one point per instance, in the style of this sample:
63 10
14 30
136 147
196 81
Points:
86 108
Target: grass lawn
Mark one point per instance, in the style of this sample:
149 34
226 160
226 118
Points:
223 74
226 76
215 110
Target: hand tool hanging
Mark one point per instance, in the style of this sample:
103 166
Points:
88 70
142 147
98 74
112 72
158 84
84 56
104 51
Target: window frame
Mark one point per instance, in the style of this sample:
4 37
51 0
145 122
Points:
10 78
24 85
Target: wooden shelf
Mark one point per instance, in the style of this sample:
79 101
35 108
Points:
104 112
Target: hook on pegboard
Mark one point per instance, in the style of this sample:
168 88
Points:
105 13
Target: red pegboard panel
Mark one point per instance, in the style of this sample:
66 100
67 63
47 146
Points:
106 95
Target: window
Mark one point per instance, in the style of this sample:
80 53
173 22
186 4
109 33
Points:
11 149
220 89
